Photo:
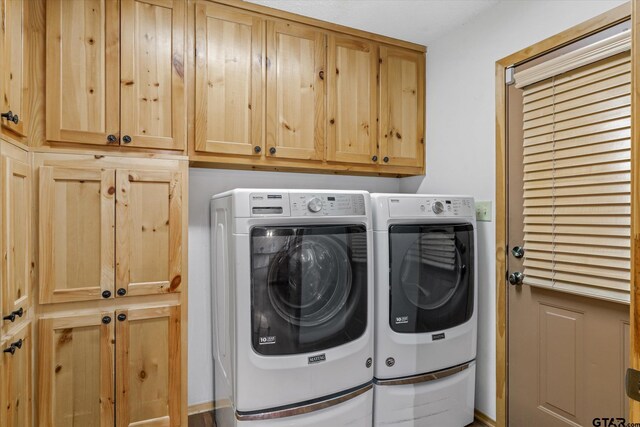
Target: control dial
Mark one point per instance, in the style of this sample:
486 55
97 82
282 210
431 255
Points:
315 205
437 208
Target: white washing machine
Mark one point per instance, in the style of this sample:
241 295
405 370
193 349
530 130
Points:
426 309
292 274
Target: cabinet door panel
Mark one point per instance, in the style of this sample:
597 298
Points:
402 107
76 376
77 214
149 231
14 67
18 401
352 100
16 235
295 91
148 365
152 73
228 81
83 70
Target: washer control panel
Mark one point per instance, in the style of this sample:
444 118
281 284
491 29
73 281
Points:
431 207
326 204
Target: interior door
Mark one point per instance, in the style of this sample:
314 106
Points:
568 200
296 57
152 81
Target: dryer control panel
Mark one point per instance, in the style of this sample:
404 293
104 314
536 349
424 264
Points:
303 204
431 207
307 204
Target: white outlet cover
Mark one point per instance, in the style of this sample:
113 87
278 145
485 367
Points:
483 211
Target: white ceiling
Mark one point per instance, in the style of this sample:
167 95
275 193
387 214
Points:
419 21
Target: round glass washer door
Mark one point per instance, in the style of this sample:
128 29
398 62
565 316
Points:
309 283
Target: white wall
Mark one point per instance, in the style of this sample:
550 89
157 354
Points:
204 183
461 130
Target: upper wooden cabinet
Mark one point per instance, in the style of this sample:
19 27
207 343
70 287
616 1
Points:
14 69
352 75
228 79
278 91
115 72
402 80
109 232
295 91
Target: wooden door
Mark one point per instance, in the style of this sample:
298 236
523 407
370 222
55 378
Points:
76 223
83 71
568 230
76 371
148 367
229 75
402 79
352 98
152 111
14 45
17 379
16 231
295 91
148 232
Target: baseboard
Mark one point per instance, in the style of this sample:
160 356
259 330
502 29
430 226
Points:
484 419
199 408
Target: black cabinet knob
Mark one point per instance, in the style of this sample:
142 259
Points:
12 316
374 158
106 294
386 160
111 138
10 116
10 349
19 312
272 150
126 139
257 149
122 317
106 320
121 292
17 344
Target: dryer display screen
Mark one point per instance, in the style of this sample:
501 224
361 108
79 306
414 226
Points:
431 276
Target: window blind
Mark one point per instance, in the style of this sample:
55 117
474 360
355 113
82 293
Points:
577 180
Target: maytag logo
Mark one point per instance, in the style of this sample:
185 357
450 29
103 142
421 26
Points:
437 337
317 358
267 340
402 319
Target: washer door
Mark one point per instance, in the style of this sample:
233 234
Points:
431 276
309 287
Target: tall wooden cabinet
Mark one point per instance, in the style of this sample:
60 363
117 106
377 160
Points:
129 89
112 246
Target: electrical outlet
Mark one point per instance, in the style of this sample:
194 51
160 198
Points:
483 211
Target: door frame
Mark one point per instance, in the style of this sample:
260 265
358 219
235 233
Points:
593 25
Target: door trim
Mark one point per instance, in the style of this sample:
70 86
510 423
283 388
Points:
593 25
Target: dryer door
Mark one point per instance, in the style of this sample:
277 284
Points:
308 287
431 276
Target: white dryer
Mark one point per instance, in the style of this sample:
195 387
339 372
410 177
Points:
426 309
292 274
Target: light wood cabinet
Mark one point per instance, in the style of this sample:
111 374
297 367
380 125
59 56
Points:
77 220
108 232
401 107
16 236
17 400
121 366
352 76
149 232
14 69
228 78
76 370
115 73
148 368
